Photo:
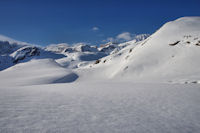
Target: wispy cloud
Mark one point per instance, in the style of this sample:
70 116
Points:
122 37
127 36
95 28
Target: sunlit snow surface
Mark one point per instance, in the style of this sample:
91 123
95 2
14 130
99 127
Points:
101 107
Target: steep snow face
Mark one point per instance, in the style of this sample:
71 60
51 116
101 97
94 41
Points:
170 54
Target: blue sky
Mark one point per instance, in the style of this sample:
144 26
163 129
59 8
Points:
56 21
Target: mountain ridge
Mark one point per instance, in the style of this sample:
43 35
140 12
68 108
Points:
169 55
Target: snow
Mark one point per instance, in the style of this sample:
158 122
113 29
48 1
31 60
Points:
58 48
101 107
34 72
145 85
85 48
21 53
154 58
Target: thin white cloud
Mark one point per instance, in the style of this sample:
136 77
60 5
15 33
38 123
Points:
124 36
95 28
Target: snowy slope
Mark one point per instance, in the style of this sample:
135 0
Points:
170 54
34 72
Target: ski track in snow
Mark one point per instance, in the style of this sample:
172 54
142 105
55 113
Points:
101 107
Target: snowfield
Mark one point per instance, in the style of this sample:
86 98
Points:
148 85
101 107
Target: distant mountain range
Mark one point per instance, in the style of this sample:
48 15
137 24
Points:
13 52
171 54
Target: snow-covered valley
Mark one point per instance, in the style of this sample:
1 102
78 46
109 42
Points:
149 84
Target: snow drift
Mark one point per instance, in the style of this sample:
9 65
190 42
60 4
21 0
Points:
35 72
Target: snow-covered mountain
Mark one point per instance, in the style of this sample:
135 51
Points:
65 48
7 48
8 45
13 52
80 55
57 48
113 47
170 54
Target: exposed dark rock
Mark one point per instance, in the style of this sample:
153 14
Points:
188 42
130 50
197 44
97 61
173 44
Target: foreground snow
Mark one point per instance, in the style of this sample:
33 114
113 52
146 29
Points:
101 107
